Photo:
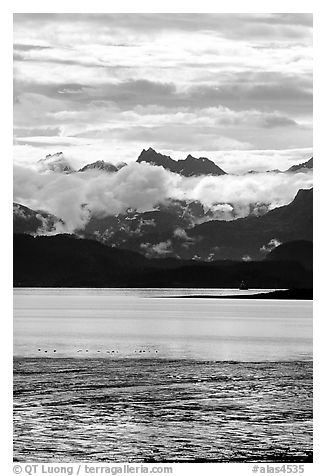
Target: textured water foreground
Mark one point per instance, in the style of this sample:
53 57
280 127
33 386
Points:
135 410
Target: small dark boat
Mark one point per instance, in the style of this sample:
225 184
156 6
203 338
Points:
243 285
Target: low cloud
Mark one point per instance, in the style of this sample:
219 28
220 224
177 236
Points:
181 234
221 211
161 249
271 245
76 197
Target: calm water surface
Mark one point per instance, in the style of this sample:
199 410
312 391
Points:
126 323
138 377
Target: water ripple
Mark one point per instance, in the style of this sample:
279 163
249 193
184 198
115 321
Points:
144 411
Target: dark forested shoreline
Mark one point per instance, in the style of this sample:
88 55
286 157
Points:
67 261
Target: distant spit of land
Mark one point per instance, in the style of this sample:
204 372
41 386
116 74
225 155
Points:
304 294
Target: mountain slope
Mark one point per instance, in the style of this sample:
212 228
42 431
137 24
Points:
302 167
170 231
248 236
300 251
67 260
26 220
64 260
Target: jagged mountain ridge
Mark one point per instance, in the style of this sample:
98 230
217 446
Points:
308 165
56 163
104 166
303 167
181 228
189 167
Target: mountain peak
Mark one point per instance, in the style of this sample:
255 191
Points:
188 167
100 165
56 154
150 152
55 163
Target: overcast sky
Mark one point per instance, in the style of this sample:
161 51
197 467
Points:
236 88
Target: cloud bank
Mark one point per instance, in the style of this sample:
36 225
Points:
76 197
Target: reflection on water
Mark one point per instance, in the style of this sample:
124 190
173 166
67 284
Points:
140 292
160 379
128 323
161 410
